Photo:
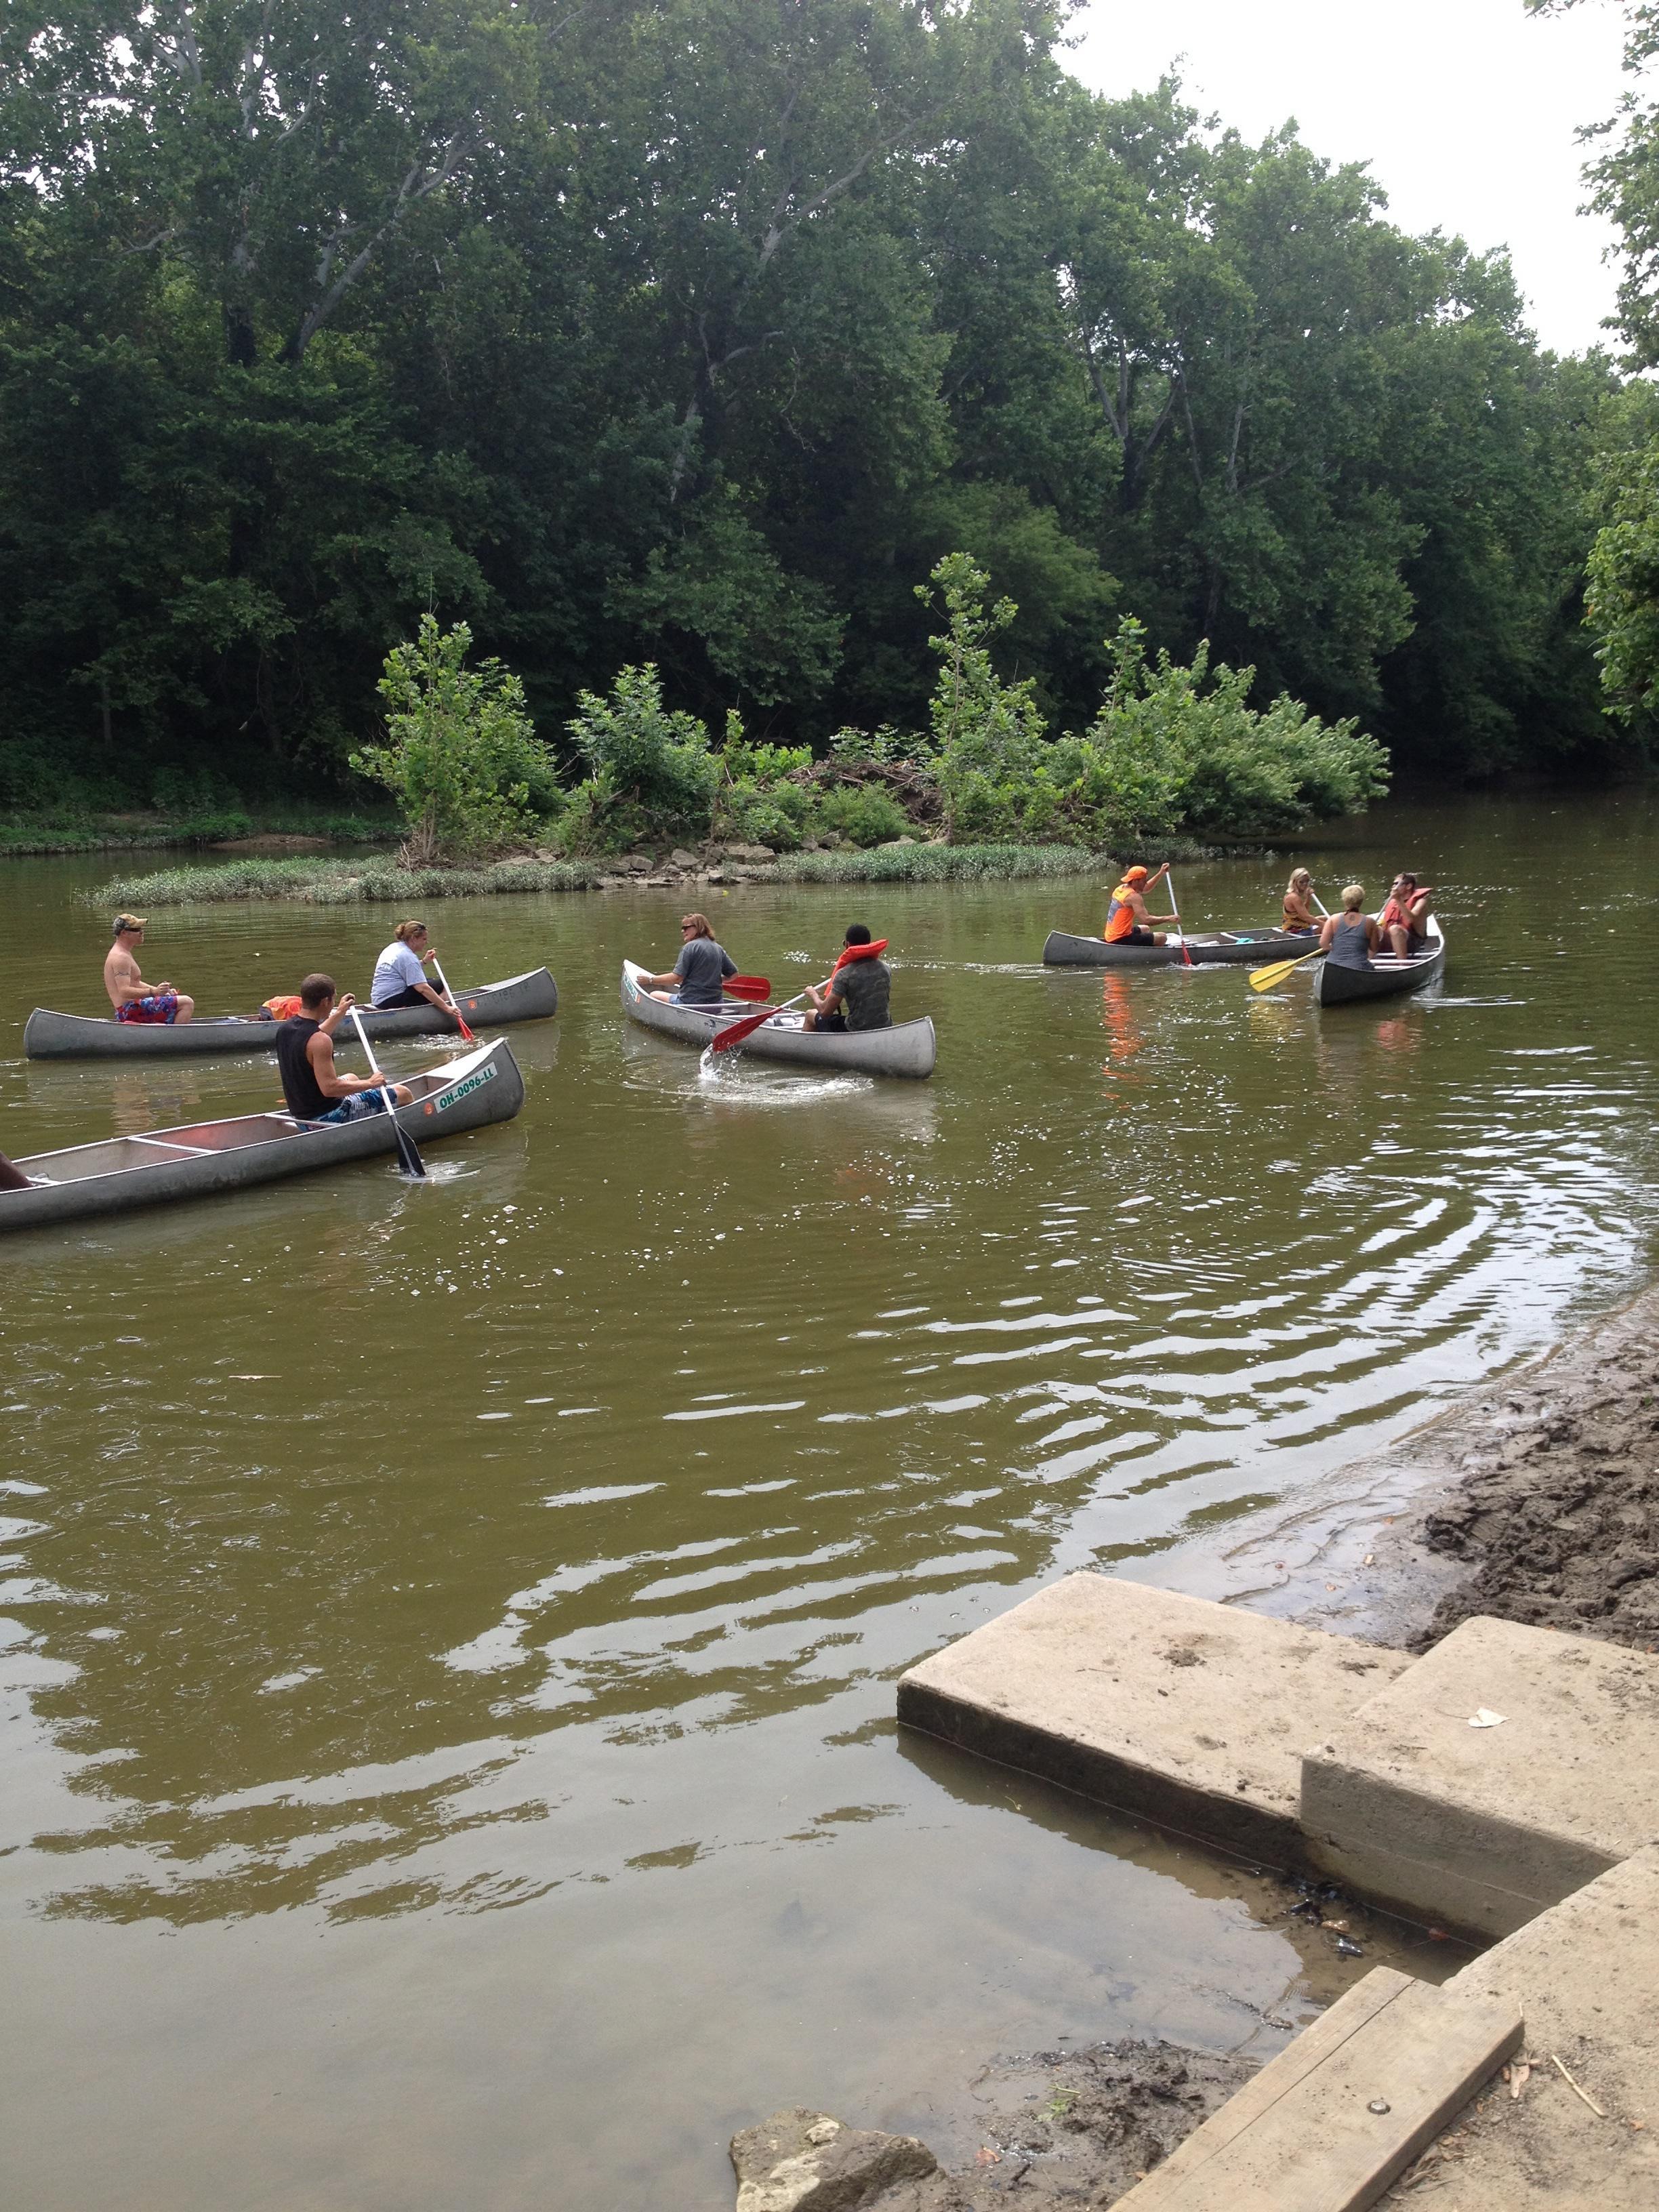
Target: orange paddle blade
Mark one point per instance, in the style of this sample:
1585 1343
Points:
735 1032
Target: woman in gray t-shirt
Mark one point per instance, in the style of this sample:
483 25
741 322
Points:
695 978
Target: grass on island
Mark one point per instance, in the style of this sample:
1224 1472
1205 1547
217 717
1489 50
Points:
383 883
24 835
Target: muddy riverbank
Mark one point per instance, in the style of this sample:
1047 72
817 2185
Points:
1537 1501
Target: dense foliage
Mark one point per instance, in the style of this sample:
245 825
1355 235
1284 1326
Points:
693 337
1623 597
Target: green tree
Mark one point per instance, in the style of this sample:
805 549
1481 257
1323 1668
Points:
461 757
987 734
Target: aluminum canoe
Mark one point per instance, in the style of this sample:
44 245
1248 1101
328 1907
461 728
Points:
909 1048
1214 949
48 1035
200 1159
1387 977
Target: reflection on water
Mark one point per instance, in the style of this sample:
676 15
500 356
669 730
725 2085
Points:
453 1628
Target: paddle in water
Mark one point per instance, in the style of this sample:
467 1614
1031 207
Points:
467 1036
1186 956
408 1157
735 1032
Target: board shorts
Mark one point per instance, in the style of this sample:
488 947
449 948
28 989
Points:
159 1006
357 1107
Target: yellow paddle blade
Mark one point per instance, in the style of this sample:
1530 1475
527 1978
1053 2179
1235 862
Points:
1263 979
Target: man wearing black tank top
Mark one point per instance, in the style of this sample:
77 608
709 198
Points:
305 1059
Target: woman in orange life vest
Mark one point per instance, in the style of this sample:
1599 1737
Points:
1128 921
1300 920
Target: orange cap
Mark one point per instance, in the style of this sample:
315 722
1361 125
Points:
1135 875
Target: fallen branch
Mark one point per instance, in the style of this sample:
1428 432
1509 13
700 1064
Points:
1574 2087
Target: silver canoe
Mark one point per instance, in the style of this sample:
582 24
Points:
908 1048
202 1159
48 1036
1217 949
1387 977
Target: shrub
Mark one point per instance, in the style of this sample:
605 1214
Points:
462 757
987 734
1173 745
862 813
652 773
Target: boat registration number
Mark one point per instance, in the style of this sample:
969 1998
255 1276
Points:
460 1089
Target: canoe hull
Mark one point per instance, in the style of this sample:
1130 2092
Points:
908 1050
1209 951
202 1160
1386 978
50 1035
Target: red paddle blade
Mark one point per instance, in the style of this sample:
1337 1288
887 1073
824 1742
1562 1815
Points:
735 1032
747 987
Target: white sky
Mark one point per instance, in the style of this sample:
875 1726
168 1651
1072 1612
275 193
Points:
1465 111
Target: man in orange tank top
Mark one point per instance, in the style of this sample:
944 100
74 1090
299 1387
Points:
1128 921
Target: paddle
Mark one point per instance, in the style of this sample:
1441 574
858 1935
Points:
1187 957
467 1036
1263 979
735 1032
409 1157
747 987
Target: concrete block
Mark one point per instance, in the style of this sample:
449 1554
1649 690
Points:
1482 1827
1585 1975
1330 2124
1190 1713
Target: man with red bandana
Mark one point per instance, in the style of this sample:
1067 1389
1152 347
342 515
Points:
856 996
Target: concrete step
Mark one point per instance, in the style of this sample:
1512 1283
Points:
1192 1714
1328 2124
1483 1827
1585 1975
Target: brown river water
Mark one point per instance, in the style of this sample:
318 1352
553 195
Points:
449 1631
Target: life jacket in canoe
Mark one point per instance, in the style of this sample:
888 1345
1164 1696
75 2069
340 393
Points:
281 1010
859 952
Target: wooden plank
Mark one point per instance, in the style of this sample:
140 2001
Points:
1351 2012
1303 2137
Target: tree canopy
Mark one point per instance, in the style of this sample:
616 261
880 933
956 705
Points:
696 336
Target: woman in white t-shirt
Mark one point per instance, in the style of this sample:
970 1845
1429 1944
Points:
398 980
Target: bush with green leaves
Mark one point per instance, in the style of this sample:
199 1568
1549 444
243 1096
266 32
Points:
1177 746
864 814
652 772
461 757
987 734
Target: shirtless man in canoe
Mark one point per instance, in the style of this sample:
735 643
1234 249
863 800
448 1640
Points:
134 1000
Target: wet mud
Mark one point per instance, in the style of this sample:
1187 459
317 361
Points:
1555 1506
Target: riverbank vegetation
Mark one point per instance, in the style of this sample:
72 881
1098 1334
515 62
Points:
1623 503
384 883
693 340
1169 748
